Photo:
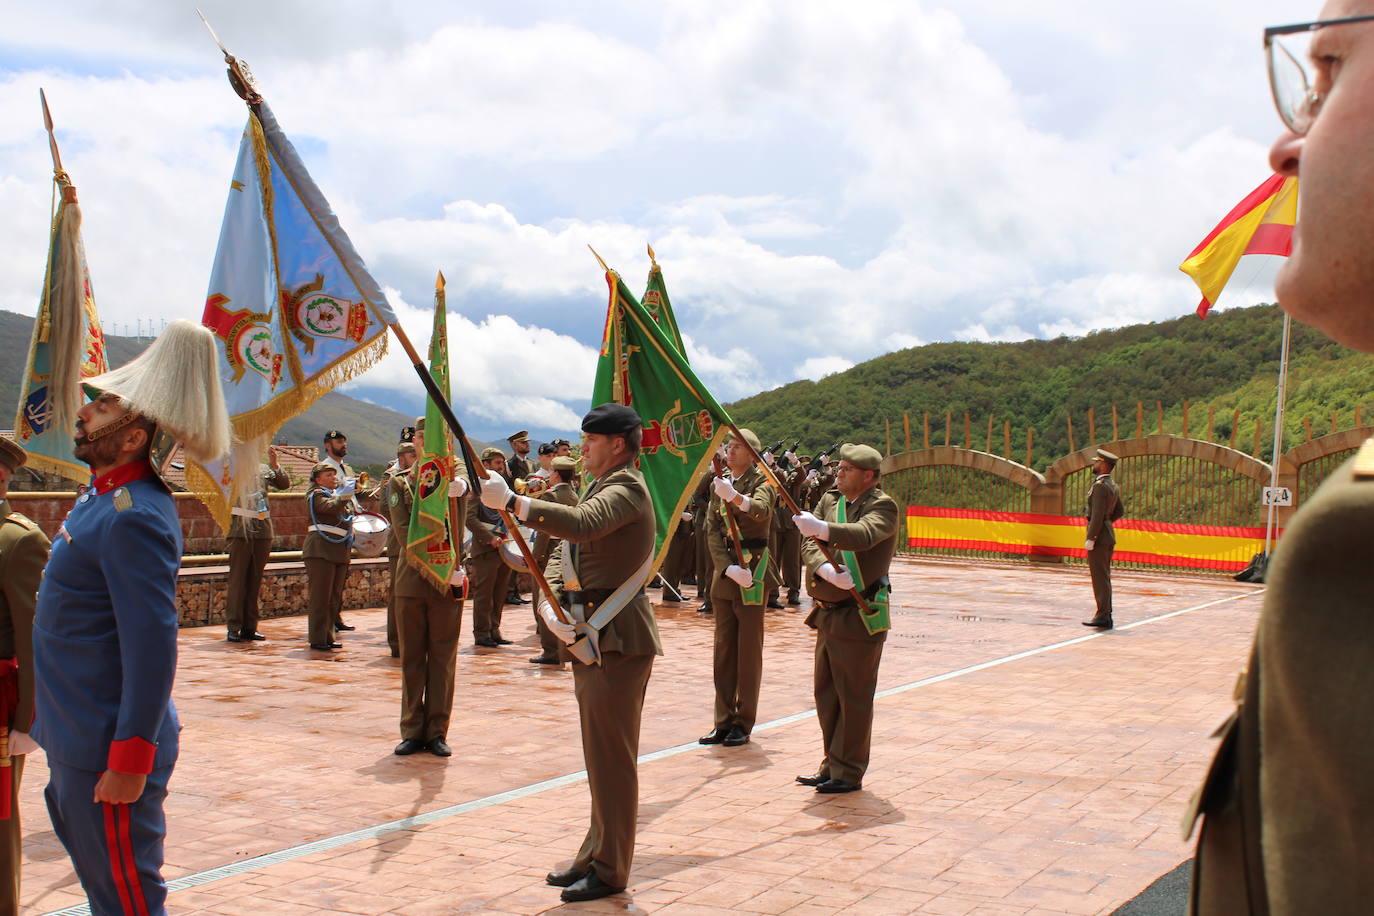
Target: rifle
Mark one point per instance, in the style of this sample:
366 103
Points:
819 461
718 467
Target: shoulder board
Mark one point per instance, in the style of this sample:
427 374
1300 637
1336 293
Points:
122 499
22 521
1363 468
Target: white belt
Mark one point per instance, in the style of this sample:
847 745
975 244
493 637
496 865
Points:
329 529
248 513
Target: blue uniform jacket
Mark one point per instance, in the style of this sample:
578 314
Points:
105 629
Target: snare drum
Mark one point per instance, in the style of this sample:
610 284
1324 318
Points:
370 532
510 551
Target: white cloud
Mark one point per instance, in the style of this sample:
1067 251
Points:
818 367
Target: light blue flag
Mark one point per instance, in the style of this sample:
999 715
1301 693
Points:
291 300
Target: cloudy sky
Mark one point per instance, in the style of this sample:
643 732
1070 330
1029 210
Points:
822 182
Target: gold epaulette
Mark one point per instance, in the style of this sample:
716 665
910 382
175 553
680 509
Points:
122 499
1363 468
22 521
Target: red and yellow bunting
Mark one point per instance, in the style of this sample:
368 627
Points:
1188 546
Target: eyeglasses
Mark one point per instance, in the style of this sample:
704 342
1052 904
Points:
1287 48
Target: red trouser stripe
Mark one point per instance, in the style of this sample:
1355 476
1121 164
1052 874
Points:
126 815
118 819
116 863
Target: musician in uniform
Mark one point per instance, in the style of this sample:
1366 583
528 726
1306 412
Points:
105 626
429 619
737 526
23 554
601 571
335 450
563 471
250 541
405 459
1104 507
326 552
858 521
490 574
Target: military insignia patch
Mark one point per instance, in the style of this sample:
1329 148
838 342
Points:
395 499
122 500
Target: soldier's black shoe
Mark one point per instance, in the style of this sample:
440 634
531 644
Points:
566 878
589 888
836 786
543 659
794 600
738 736
813 781
714 736
340 625
439 748
516 599
502 641
235 636
326 646
774 605
254 636
1101 623
409 746
486 642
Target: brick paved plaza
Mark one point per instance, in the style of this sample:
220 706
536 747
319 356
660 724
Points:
1022 764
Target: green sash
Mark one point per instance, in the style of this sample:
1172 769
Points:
878 619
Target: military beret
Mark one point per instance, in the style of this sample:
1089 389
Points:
490 452
405 448
516 437
407 434
334 434
611 418
557 442
12 455
864 457
565 463
1107 456
547 448
752 439
320 468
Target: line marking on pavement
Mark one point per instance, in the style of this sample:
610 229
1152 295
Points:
377 831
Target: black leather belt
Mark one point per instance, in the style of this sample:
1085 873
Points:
845 605
590 597
753 543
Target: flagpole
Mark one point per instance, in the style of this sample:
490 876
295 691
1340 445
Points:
1278 430
475 466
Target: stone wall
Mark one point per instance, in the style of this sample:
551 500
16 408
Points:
201 591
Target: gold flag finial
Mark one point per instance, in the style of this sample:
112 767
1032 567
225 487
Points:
598 259
651 254
439 282
52 140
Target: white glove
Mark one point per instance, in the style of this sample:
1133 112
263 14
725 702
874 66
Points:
21 743
813 475
348 487
724 489
495 491
791 457
686 516
840 578
812 527
739 575
825 461
458 488
458 577
564 631
1088 544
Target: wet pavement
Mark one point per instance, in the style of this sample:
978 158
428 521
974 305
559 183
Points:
1021 764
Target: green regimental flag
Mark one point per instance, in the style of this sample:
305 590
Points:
658 306
683 425
429 545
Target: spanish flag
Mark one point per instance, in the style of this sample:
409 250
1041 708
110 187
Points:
1262 223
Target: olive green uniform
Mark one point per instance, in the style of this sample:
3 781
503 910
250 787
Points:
737 662
250 542
847 657
490 574
23 554
1287 801
326 565
1104 507
428 622
544 546
611 534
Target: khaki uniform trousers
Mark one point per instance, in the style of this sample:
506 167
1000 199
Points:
428 628
1100 566
11 854
610 701
490 584
737 662
846 680
791 559
325 597
247 557
393 639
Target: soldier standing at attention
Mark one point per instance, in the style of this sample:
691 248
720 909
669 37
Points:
335 450
428 620
490 574
600 570
563 470
250 541
738 522
405 459
1287 828
326 552
1104 507
105 628
23 554
859 522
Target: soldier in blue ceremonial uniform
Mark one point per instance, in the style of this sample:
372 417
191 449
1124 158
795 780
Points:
105 627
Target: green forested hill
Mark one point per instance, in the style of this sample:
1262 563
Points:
1229 361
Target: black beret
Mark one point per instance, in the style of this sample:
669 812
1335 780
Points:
407 434
547 448
611 418
334 434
